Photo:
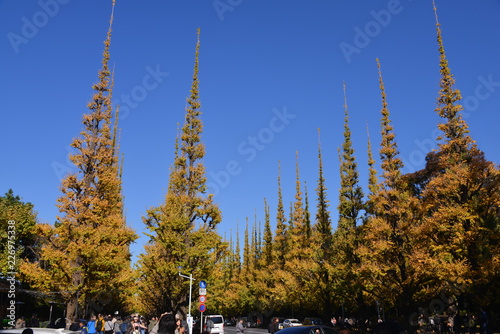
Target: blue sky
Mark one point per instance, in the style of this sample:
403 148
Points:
271 74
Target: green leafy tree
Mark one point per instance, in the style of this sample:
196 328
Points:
17 240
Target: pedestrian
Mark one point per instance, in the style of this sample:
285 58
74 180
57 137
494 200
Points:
143 328
209 325
99 326
34 322
240 329
108 325
483 321
167 324
152 323
333 321
179 328
83 328
91 325
117 326
273 326
138 325
21 323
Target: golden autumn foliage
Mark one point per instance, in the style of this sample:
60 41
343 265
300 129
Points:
85 256
412 237
183 228
424 234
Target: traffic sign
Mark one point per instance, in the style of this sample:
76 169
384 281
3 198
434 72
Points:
203 284
203 291
202 308
203 299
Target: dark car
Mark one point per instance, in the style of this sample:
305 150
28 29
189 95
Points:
280 322
316 329
229 322
312 321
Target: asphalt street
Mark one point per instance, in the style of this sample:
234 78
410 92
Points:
232 330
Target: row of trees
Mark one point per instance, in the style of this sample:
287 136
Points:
408 239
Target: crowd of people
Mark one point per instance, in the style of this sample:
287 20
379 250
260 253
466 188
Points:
167 323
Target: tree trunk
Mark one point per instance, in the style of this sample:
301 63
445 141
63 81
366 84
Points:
71 308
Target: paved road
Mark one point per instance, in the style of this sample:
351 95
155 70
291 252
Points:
232 330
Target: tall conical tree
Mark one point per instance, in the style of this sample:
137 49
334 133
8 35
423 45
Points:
264 277
298 236
281 233
183 228
268 237
299 263
345 238
280 249
307 214
460 192
322 236
323 224
389 256
372 179
84 254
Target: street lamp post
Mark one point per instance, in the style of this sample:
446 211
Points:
189 318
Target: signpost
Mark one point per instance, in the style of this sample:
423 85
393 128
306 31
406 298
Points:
202 299
189 317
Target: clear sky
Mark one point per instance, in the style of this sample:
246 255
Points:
271 74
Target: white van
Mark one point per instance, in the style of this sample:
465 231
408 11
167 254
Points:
218 321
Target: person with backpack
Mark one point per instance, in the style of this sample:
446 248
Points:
117 325
100 322
209 325
108 325
91 325
83 328
125 326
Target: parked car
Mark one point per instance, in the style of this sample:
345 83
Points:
312 321
248 323
291 323
218 321
317 329
280 322
34 330
229 322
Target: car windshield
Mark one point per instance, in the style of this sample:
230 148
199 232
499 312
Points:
216 320
294 321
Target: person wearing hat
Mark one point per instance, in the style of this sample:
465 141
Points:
83 327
